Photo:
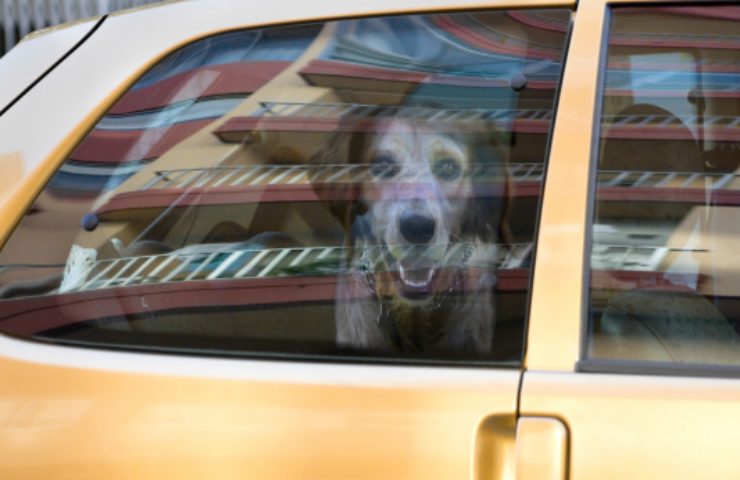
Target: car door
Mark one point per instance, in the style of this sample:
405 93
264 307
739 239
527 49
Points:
639 356
175 255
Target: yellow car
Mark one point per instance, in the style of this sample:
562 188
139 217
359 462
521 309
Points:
416 239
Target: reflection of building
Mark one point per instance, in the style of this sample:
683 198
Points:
210 148
668 178
177 98
194 153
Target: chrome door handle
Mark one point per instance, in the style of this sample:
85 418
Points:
528 448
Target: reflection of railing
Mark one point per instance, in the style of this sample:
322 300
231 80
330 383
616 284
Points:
670 127
354 110
632 258
265 175
707 121
701 180
355 117
684 39
627 257
241 261
234 261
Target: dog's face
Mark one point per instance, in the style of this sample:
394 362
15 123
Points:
415 199
421 220
421 205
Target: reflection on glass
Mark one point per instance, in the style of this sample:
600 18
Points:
664 259
365 187
421 224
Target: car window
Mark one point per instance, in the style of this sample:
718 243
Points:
665 253
354 189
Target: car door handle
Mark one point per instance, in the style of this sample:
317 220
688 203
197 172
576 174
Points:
528 448
541 449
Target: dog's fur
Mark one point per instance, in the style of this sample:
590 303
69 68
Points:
418 190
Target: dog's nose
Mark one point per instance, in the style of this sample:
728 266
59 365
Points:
416 227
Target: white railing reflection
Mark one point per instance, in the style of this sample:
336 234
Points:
357 110
265 175
296 174
239 261
634 178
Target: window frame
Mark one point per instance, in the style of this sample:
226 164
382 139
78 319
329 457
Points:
585 364
81 132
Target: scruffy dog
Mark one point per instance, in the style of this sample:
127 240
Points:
421 221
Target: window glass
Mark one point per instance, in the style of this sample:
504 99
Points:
665 254
353 189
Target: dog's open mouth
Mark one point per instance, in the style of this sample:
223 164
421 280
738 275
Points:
415 281
419 273
415 273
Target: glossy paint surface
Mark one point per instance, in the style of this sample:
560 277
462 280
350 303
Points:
640 426
210 418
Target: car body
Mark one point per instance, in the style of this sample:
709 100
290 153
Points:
572 399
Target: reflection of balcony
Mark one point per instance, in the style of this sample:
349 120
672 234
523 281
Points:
679 180
670 127
263 175
346 75
241 261
290 183
251 296
298 183
330 117
202 82
333 110
226 276
627 257
682 187
119 146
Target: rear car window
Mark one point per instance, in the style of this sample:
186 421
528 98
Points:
353 189
665 254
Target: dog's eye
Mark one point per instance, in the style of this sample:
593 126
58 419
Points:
384 165
447 169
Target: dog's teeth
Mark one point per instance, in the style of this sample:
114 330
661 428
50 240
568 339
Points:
415 283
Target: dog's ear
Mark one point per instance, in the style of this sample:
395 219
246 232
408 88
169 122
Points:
341 194
489 204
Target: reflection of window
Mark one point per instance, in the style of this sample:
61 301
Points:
354 189
664 257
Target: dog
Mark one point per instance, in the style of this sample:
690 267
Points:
421 226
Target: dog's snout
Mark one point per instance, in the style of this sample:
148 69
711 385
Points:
416 227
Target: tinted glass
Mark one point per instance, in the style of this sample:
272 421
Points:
665 258
365 188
